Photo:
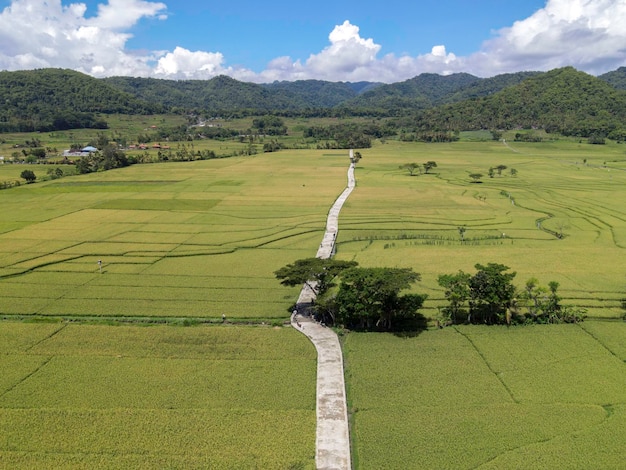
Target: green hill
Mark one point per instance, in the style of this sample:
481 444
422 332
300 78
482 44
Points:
50 99
562 100
423 91
616 78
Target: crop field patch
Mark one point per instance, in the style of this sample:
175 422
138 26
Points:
238 218
557 397
432 437
205 397
193 205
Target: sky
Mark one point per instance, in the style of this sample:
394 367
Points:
336 40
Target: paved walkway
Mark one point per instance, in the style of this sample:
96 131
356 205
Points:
332 436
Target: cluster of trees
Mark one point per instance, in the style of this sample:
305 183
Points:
338 136
54 99
489 297
350 134
107 158
429 136
269 125
416 167
371 299
366 298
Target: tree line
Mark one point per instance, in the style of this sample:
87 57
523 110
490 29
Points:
355 297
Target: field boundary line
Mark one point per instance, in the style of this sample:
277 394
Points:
484 359
332 443
597 340
27 376
54 333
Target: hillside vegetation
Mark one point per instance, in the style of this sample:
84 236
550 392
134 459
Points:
560 101
55 99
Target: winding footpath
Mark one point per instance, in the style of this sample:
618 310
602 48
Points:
332 445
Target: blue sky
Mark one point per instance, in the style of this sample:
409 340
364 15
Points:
253 33
257 41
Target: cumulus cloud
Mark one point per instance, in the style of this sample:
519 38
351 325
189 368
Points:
44 33
587 34
350 57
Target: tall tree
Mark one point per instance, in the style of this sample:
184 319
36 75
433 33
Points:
456 292
370 297
317 273
491 292
429 166
411 167
29 176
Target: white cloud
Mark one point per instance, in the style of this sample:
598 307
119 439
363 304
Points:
587 34
53 35
183 63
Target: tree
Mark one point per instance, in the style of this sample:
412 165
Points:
429 166
501 168
369 297
491 292
317 273
462 230
456 292
491 172
28 175
476 177
411 167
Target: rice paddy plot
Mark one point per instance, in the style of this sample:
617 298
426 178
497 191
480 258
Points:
229 219
555 219
492 397
195 397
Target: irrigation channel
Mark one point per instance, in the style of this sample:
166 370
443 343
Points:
332 444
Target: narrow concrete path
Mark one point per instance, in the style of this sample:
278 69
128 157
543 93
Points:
332 435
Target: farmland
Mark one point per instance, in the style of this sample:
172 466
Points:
187 242
548 396
560 217
96 396
194 239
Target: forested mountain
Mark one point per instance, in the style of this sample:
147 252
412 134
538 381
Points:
317 93
486 87
49 99
221 93
616 78
227 94
423 91
562 100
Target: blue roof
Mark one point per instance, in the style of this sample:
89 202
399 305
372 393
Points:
89 148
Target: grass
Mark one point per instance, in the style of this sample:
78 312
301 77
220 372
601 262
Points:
199 397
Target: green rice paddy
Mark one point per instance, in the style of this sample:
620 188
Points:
550 396
188 242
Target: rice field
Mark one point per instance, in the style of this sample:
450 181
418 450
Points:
96 396
190 242
561 217
489 397
193 239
